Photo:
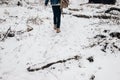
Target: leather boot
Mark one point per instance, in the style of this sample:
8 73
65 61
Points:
58 30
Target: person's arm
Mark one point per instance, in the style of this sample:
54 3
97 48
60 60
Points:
46 2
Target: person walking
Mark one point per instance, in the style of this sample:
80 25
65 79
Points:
56 13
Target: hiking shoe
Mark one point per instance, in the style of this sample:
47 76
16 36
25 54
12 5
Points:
58 30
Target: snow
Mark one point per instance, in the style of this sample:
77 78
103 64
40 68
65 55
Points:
43 45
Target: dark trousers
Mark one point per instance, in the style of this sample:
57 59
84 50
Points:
56 15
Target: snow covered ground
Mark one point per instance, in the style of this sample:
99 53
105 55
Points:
84 50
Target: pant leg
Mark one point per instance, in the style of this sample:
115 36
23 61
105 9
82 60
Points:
57 15
54 15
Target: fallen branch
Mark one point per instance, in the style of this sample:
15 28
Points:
83 16
52 63
6 34
111 9
97 16
73 9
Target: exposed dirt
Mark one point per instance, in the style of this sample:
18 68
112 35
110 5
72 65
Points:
107 43
115 35
92 77
90 59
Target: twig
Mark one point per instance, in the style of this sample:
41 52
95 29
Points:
6 34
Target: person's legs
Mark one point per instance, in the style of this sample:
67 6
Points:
57 17
54 15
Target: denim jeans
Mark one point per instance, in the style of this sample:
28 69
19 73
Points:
56 15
